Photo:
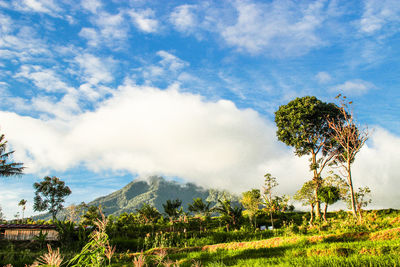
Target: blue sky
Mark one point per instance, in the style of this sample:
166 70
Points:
100 92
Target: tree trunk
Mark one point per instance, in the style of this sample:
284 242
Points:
350 181
312 215
325 210
272 221
315 179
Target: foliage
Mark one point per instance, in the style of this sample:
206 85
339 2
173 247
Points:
303 124
328 195
50 194
199 207
173 208
22 203
251 201
97 250
91 216
230 215
8 168
148 214
362 199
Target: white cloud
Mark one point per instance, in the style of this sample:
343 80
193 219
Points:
95 70
323 77
183 18
279 28
354 87
146 131
42 6
91 35
91 5
378 14
144 20
377 167
45 79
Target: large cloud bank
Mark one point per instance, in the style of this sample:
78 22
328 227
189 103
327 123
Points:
145 130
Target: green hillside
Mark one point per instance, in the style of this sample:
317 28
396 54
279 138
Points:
155 191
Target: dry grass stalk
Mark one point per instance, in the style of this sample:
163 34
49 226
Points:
139 261
51 258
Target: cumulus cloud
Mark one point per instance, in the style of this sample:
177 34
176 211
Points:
145 130
377 167
354 87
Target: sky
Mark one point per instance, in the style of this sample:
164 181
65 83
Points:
99 93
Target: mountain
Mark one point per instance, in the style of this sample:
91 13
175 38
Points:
154 191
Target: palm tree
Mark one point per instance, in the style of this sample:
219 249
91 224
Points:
7 168
22 204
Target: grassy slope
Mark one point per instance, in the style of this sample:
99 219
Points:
381 248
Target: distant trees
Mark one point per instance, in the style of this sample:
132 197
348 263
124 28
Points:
198 206
302 124
173 208
230 214
251 201
7 167
148 214
50 194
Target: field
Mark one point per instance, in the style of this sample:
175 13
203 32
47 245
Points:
339 242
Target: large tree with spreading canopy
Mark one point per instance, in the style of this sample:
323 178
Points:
303 124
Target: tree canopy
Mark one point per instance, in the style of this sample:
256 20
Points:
7 167
50 194
303 124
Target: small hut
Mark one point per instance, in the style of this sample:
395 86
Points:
27 231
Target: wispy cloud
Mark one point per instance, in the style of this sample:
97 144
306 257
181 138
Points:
354 87
323 77
144 20
380 14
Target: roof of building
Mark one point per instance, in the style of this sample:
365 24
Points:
27 226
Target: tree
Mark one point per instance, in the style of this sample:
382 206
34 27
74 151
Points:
198 206
8 168
230 214
92 215
306 196
171 208
50 194
148 214
350 139
362 199
22 203
303 124
1 214
328 195
270 183
251 201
